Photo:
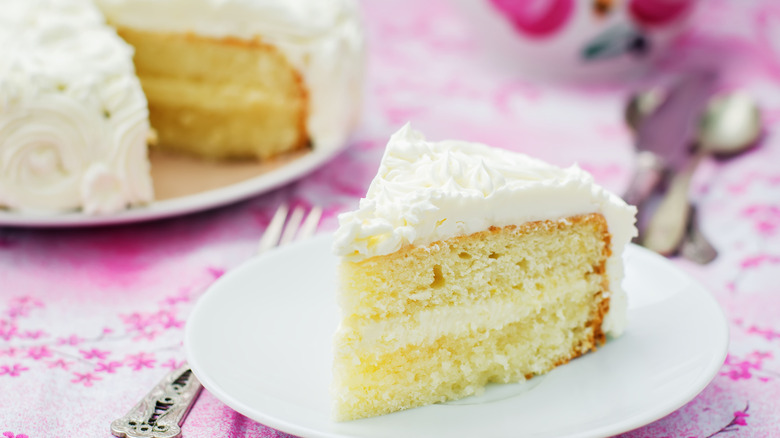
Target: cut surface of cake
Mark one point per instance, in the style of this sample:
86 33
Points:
245 78
466 265
73 118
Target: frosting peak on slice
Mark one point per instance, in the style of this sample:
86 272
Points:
427 191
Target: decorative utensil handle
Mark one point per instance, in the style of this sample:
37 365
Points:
161 413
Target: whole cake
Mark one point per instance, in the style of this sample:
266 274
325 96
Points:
465 265
73 118
219 79
245 78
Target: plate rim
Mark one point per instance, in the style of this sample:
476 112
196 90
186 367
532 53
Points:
621 426
183 205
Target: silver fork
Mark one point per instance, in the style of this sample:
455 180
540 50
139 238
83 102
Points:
161 413
298 227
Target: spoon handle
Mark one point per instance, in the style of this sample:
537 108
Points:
667 226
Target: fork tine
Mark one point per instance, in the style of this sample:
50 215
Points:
274 230
278 233
311 222
292 226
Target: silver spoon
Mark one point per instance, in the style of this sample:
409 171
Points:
730 124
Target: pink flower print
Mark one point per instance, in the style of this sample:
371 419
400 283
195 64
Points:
216 272
145 323
94 353
7 330
756 261
21 306
172 322
766 26
750 178
768 334
10 352
110 367
739 419
60 363
13 371
11 435
86 379
150 335
766 218
140 361
172 364
182 297
744 369
34 334
136 321
39 353
72 340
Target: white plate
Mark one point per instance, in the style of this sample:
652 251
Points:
182 189
260 339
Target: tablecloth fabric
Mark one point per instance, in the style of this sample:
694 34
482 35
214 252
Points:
90 319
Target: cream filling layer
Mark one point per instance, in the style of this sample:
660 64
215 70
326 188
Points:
427 325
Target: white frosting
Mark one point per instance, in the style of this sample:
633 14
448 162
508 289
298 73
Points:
72 113
429 191
323 39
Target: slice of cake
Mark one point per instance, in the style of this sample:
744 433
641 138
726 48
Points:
73 118
236 78
466 265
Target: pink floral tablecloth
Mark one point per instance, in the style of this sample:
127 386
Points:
90 319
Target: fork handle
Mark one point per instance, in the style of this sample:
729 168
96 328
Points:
162 411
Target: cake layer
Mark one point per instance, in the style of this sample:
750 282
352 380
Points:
252 105
466 269
444 319
454 367
73 118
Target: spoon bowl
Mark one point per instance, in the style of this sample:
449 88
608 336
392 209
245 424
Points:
730 124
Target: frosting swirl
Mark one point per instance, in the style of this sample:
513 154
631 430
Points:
70 106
